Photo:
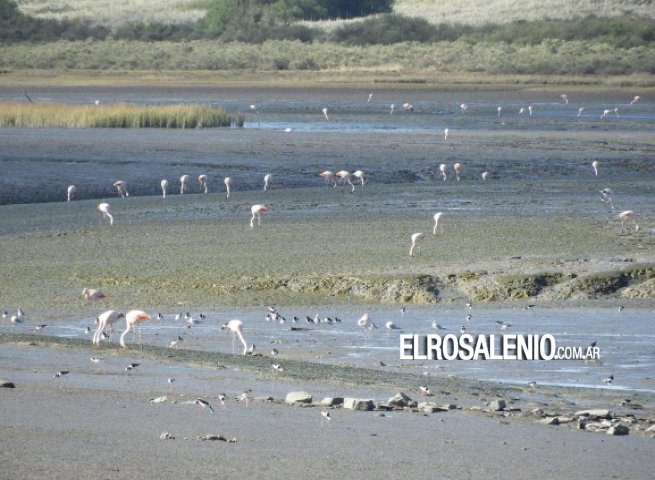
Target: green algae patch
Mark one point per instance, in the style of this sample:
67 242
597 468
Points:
513 287
611 282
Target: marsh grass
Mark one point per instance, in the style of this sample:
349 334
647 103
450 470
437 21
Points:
120 115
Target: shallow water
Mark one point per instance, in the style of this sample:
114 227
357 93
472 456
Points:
625 340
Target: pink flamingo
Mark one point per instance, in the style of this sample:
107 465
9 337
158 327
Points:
236 327
202 179
359 175
184 182
228 183
628 216
416 237
131 319
267 180
458 170
121 188
257 211
635 100
70 192
105 320
564 98
594 165
93 294
164 186
106 213
328 176
436 218
344 177
442 169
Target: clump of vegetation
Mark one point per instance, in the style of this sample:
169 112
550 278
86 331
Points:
122 115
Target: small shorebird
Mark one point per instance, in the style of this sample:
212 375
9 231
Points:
425 390
609 380
246 397
437 326
532 385
61 373
391 326
40 327
204 404
463 329
277 368
221 398
274 352
131 367
96 360
325 417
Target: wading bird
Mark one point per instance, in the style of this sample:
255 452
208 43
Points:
204 404
105 209
416 237
325 417
164 186
635 100
106 319
607 196
594 165
236 327
463 107
458 170
267 181
408 107
70 192
391 107
204 182
628 216
442 168
436 218
484 176
184 183
445 134
564 98
257 211
607 111
228 184
580 110
328 177
325 113
121 188
370 97
131 319
499 110
344 177
93 294
358 174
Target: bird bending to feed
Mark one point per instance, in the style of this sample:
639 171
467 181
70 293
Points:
391 326
442 169
607 111
436 218
228 184
164 186
416 237
328 177
131 319
463 107
344 177
325 113
267 181
458 170
204 404
325 417
105 320
204 182
70 192
93 294
580 110
236 327
121 188
370 97
358 174
635 100
594 165
484 176
257 211
105 209
365 322
564 98
184 183
609 379
408 107
628 216
607 196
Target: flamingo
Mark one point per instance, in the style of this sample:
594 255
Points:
408 107
370 97
344 177
104 320
499 109
442 169
202 180
228 183
607 111
328 176
325 114
521 111
253 108
628 216
445 134
93 294
184 182
580 110
121 188
594 165
484 176
463 107
267 181
131 319
416 237
105 209
360 175
458 169
70 192
607 197
530 109
436 217
564 98
236 327
635 100
391 107
365 322
257 211
164 186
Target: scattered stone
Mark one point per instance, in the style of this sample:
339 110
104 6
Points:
401 400
331 401
449 406
619 429
430 407
565 419
6 384
358 404
298 397
212 437
497 405
264 399
381 414
159 399
166 436
550 421
593 414
475 408
650 431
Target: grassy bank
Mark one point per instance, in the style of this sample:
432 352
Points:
123 115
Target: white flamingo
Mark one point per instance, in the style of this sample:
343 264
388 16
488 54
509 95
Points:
93 294
628 216
204 182
267 181
635 100
499 109
328 177
485 175
105 208
594 165
325 113
236 327
257 211
416 238
408 107
228 183
106 319
121 188
164 186
70 192
442 168
131 319
463 107
391 107
436 218
359 175
184 183
370 97
344 177
607 111
564 98
580 110
458 170
445 134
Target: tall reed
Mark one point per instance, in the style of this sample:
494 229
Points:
118 115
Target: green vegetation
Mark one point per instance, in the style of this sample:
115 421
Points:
121 115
